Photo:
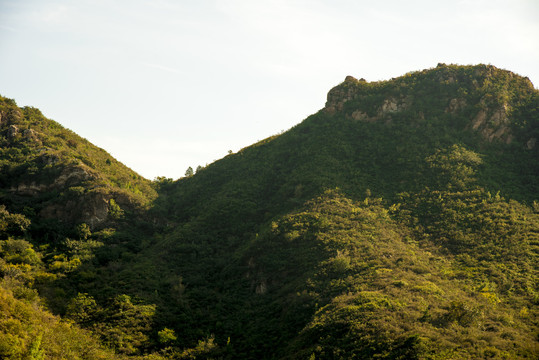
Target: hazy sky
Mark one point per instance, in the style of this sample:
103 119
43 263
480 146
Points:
163 84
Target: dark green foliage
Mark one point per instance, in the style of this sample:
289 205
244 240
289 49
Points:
12 224
189 172
454 167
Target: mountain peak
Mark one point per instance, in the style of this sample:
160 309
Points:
488 96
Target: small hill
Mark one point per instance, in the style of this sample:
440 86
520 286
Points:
49 172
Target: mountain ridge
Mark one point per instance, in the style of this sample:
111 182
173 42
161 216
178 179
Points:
399 221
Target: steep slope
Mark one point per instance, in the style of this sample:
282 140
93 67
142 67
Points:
51 173
376 136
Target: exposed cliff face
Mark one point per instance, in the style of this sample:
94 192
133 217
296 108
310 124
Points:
74 204
493 124
92 209
68 177
342 93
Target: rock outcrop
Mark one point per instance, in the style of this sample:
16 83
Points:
350 90
55 174
341 94
90 206
12 131
493 123
530 144
455 105
70 176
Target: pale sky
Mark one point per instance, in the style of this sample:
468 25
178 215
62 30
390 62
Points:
163 84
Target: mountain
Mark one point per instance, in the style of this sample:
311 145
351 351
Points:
400 222
52 172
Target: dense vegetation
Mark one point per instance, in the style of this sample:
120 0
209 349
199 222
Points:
399 222
50 171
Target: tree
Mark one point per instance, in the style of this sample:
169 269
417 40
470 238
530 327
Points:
12 224
166 336
83 231
189 172
83 309
454 167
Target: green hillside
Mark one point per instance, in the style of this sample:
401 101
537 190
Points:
52 173
401 221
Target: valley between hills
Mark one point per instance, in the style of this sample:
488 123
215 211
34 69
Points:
401 221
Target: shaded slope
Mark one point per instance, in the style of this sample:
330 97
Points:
340 279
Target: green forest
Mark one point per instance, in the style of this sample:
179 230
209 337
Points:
401 221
